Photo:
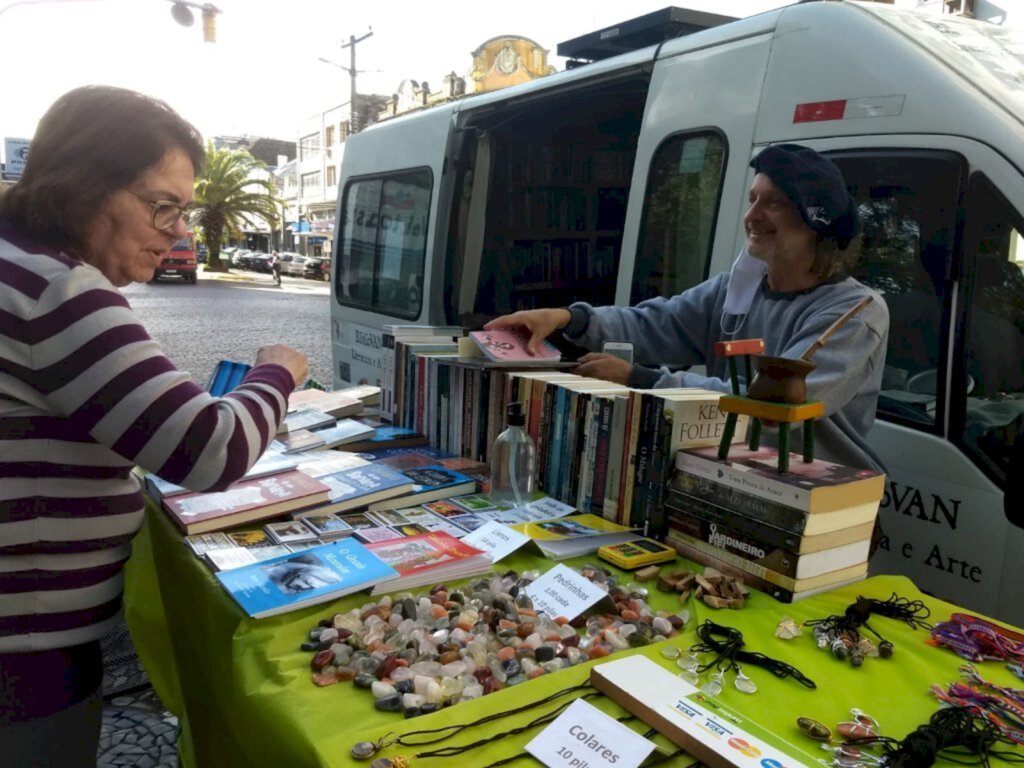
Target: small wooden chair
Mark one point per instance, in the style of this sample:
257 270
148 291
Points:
784 413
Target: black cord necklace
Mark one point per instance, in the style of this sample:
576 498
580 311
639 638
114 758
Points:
725 645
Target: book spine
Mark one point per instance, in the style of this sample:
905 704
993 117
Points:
398 402
735 542
699 424
585 495
480 419
555 450
644 448
421 393
748 482
695 555
571 455
533 426
469 400
629 458
387 377
768 512
681 504
657 478
605 409
616 440
544 427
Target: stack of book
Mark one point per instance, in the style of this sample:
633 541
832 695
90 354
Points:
792 534
397 343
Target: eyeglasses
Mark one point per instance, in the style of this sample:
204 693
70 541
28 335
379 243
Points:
166 214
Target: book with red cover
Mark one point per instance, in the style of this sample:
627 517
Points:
429 558
246 501
507 346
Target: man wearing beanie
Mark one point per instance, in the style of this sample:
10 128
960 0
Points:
787 286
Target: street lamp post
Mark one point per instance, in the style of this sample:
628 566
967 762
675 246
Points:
352 72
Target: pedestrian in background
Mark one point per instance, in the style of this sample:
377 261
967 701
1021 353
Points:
86 395
275 266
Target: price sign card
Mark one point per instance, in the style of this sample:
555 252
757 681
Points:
563 592
496 540
585 737
548 509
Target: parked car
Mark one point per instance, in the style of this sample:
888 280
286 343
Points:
227 254
202 254
317 268
292 263
260 262
242 259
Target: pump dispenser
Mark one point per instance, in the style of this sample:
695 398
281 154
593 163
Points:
513 461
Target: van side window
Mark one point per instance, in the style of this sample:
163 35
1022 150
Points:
908 204
679 214
993 352
383 243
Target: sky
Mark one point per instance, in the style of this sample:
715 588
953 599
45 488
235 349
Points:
262 76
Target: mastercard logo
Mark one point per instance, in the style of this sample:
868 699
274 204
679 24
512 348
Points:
744 748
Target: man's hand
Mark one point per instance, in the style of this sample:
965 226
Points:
541 323
291 359
599 365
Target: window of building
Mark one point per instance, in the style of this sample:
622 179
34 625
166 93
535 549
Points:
343 130
332 176
329 136
679 215
309 146
310 183
383 240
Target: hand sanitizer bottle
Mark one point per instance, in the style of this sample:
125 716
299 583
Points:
513 459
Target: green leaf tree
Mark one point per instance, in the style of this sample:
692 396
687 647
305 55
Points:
231 193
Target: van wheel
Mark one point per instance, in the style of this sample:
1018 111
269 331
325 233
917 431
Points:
194 278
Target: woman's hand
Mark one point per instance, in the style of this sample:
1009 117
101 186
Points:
291 359
599 365
541 323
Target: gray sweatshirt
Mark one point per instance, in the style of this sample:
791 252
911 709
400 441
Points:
681 331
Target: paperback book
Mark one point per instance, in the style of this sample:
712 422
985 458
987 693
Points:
306 418
574 535
816 486
430 558
336 404
382 436
247 501
313 576
270 463
358 487
715 499
510 346
428 484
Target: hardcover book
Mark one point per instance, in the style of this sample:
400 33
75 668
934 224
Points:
430 558
246 501
429 483
316 575
817 486
358 487
509 346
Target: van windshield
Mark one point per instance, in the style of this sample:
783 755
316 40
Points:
182 245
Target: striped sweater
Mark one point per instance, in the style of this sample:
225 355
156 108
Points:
85 395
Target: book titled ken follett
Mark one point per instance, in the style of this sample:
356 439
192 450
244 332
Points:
313 576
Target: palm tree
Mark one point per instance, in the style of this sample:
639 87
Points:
228 194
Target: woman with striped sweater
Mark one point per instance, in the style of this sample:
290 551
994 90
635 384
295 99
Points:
86 394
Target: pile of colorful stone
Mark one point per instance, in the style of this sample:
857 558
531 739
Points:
419 653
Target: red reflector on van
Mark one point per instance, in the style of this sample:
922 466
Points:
817 111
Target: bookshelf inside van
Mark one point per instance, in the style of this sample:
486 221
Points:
557 188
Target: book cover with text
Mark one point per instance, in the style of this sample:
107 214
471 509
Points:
509 346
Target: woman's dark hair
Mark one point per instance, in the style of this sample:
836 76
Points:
91 142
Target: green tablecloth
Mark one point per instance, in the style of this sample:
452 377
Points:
243 693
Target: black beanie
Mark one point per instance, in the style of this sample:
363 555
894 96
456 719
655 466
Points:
816 187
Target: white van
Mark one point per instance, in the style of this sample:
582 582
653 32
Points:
627 178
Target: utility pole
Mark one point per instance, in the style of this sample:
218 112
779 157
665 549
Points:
351 45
